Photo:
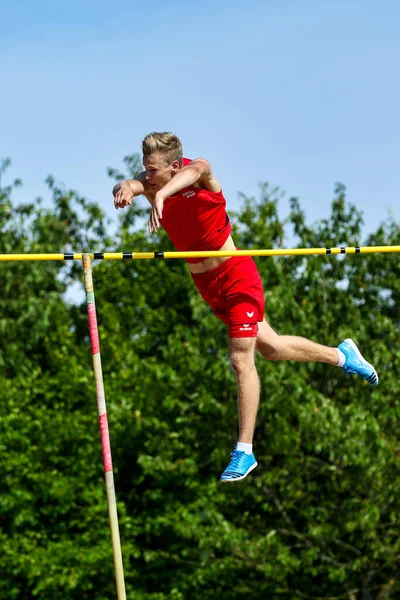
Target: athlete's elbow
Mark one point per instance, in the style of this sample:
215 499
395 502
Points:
200 167
195 172
198 172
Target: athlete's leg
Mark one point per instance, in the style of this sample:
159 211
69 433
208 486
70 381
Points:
242 357
241 351
292 347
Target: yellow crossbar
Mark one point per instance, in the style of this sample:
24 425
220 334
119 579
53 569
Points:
203 254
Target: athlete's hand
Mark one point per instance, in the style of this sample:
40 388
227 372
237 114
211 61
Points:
156 213
123 195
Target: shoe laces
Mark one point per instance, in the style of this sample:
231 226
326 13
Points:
237 456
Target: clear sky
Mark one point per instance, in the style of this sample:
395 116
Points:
300 93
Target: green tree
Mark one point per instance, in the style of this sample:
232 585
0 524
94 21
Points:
319 517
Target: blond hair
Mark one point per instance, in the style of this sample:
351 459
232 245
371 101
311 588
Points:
166 143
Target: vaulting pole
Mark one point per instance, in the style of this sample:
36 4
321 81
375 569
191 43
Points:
104 435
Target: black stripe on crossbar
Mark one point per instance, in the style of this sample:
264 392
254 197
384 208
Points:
342 250
98 255
127 255
68 256
158 254
358 250
328 250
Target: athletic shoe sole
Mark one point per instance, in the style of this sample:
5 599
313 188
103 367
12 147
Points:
361 358
253 466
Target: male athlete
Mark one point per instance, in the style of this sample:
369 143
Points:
187 200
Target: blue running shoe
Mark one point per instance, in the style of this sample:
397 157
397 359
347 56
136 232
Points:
356 363
240 466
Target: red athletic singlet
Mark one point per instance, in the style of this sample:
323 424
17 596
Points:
196 219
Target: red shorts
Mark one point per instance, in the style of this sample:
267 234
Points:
235 293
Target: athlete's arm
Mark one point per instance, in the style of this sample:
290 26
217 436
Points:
198 172
125 191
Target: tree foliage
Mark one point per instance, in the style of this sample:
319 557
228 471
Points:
319 518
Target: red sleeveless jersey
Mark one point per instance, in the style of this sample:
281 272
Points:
196 219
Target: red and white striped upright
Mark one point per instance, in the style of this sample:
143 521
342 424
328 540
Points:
104 434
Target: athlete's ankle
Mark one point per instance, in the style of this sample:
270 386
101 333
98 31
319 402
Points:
243 447
341 358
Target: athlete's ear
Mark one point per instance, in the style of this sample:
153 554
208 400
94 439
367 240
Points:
175 166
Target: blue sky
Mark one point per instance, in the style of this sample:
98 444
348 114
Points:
298 93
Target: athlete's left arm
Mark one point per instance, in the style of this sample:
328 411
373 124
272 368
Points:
198 171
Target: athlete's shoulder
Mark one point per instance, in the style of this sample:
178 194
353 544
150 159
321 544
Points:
201 163
206 180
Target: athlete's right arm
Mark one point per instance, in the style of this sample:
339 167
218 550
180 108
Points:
125 191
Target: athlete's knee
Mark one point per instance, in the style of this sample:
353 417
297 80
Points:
269 343
271 350
242 359
242 364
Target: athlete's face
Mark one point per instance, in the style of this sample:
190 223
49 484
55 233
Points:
158 172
